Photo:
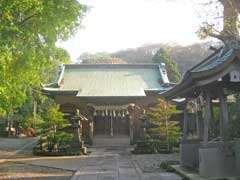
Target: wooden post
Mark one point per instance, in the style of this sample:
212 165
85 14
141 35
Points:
185 122
200 117
224 115
207 118
212 119
197 118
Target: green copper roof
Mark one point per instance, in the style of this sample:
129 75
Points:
208 71
214 61
107 80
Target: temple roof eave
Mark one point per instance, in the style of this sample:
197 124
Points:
57 91
195 79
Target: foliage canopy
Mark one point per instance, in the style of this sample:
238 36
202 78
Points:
29 30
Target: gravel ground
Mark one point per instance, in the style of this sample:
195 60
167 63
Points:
150 162
11 147
13 144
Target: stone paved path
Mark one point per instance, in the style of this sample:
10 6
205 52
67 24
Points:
112 163
117 165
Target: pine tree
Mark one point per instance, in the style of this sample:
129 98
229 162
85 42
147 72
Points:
163 56
160 125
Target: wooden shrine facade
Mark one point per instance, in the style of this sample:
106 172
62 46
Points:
111 96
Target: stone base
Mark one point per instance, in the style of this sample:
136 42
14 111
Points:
214 162
77 146
189 156
111 141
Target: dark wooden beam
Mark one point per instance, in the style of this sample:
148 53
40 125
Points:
224 114
207 118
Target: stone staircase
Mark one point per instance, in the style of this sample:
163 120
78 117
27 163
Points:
111 141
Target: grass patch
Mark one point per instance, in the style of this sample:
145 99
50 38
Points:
167 165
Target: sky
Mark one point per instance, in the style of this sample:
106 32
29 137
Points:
113 25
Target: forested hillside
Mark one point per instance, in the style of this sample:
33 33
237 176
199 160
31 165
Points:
185 57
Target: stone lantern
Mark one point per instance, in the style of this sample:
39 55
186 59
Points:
78 143
144 125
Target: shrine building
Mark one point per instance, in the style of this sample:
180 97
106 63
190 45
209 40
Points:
113 97
208 85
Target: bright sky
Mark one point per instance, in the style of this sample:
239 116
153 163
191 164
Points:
113 25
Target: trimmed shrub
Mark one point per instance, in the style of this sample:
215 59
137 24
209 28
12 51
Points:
152 147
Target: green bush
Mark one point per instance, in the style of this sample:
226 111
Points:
152 147
66 152
63 139
58 140
166 165
55 139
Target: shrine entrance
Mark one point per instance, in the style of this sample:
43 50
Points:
111 120
112 126
121 126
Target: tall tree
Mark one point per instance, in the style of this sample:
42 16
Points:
35 106
29 30
161 126
163 56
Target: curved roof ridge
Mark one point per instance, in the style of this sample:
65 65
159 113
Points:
132 65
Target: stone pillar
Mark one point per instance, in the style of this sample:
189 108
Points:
131 129
91 132
207 118
224 115
77 141
185 122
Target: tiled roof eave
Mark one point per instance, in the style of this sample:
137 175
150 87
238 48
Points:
177 90
205 60
209 72
192 77
59 91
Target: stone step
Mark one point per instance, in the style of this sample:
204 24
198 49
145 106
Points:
108 141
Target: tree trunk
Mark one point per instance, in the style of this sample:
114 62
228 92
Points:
230 20
34 112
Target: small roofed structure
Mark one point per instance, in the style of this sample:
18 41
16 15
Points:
215 78
111 96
